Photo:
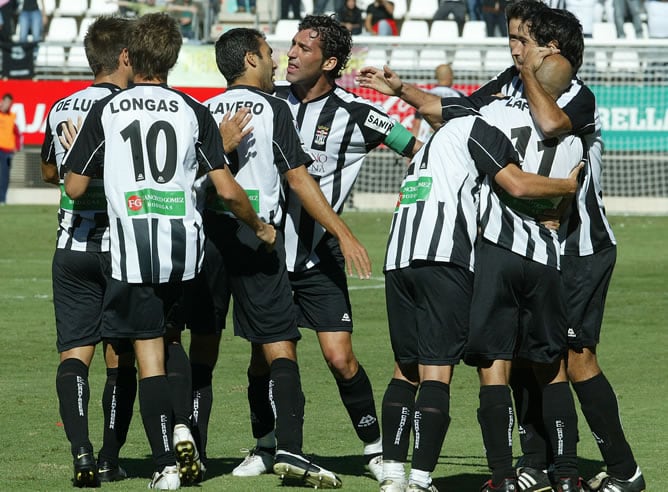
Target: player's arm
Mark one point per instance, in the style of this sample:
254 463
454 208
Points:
549 117
48 166
389 83
525 185
49 173
315 203
237 202
76 184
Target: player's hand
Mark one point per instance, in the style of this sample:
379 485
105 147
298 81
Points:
384 81
533 57
69 132
234 127
356 256
267 234
573 175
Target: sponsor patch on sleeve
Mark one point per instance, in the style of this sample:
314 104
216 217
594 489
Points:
379 122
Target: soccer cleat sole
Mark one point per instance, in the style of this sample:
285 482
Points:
288 472
85 479
189 466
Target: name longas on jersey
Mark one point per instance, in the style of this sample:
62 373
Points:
134 104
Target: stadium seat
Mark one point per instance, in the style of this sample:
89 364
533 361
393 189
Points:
422 9
62 30
466 59
474 30
657 19
77 57
83 27
443 30
51 56
49 7
497 59
73 8
102 7
411 30
603 31
400 8
286 28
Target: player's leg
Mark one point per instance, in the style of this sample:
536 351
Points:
78 292
585 283
118 400
442 330
285 393
260 459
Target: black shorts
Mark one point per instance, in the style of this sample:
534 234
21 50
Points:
585 280
205 303
428 312
138 311
321 292
517 310
79 279
263 309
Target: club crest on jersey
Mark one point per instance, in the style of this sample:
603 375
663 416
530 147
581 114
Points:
378 122
321 135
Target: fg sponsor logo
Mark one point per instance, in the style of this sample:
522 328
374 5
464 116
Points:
135 203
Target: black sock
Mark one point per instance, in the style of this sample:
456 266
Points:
397 419
600 408
202 405
261 413
357 396
561 424
118 401
179 376
73 396
495 416
430 424
536 452
285 393
156 413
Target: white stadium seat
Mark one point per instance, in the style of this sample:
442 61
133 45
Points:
52 56
411 30
102 7
74 8
83 27
286 28
474 30
62 29
422 9
77 57
49 7
444 30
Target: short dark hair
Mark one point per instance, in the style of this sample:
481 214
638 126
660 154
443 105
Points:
104 41
231 49
564 28
153 45
524 9
8 96
335 40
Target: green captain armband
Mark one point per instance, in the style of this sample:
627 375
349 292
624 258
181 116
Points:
400 140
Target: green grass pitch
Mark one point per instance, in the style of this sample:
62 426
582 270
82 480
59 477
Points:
34 453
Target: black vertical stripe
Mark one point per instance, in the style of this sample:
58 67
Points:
417 220
155 250
178 259
461 243
200 250
121 250
436 234
401 235
142 243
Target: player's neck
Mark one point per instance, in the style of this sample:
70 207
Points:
309 92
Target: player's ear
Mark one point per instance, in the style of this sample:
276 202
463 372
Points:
330 64
251 58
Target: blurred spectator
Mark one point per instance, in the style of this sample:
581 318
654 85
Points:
10 142
7 10
455 7
322 6
444 77
604 11
246 6
351 17
290 5
657 18
493 13
186 14
32 19
474 8
380 19
632 8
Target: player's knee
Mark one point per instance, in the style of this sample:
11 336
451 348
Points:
343 365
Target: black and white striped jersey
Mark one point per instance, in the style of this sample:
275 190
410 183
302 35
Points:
339 129
272 148
83 224
149 142
587 230
436 214
504 220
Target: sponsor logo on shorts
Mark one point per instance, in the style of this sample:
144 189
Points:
571 333
345 317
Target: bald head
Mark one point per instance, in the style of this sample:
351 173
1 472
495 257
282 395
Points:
555 74
443 74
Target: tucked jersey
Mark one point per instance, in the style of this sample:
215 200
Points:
272 148
83 224
587 229
339 129
149 142
509 222
436 214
